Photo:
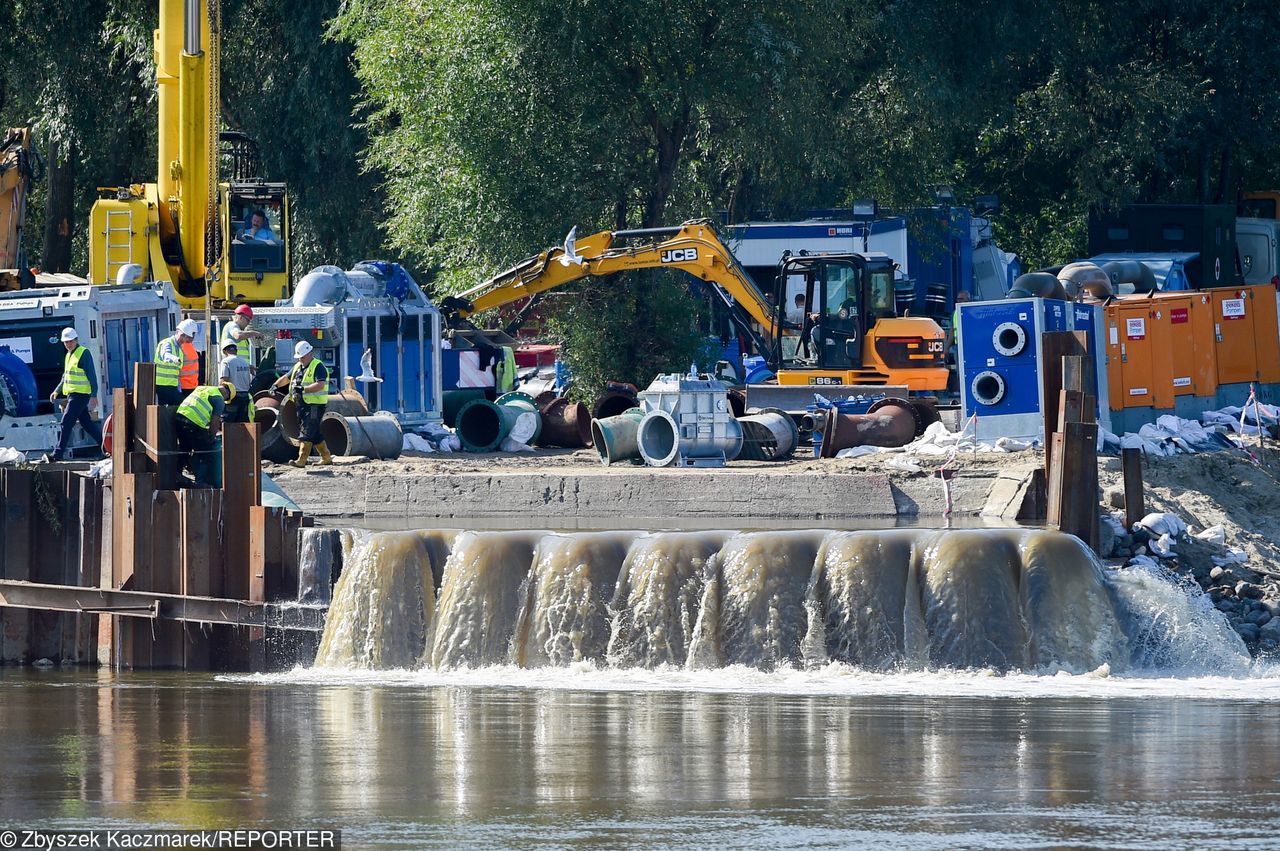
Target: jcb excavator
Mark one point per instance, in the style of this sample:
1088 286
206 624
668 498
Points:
847 333
187 227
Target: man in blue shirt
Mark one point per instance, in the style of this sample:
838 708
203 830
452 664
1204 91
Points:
257 229
80 385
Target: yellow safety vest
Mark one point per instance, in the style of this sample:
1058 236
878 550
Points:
198 407
506 372
74 379
169 361
242 345
309 377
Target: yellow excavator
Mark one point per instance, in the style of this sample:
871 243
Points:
847 332
219 243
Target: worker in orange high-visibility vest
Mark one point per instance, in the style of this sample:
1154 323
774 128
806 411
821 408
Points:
189 377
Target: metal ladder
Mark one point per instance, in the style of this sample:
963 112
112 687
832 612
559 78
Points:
114 245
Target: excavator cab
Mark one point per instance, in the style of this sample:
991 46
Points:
843 297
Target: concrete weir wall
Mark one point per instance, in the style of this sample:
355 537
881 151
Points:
639 494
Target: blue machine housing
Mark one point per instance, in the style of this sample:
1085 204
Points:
1000 360
1090 319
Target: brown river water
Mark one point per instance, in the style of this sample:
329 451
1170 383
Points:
590 759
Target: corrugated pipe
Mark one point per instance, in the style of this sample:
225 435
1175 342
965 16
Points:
1088 278
1039 285
1130 272
768 435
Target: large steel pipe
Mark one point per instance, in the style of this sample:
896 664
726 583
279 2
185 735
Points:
1040 284
565 423
524 403
378 437
1085 277
662 442
615 437
349 403
888 423
451 401
274 446
1130 272
768 435
483 425
612 403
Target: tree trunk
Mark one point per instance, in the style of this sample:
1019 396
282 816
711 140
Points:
59 228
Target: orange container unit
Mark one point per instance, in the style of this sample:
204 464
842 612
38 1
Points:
1189 317
1139 354
1245 333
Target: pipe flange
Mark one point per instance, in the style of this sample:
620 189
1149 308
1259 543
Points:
988 388
1009 339
516 396
891 401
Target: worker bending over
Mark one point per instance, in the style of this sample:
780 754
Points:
199 420
171 361
80 385
308 384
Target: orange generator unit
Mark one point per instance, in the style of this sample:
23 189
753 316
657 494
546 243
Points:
1190 351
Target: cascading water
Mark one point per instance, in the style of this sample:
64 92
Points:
899 599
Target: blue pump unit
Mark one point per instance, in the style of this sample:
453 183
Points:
1000 360
17 385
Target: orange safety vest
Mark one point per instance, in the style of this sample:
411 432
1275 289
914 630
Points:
189 378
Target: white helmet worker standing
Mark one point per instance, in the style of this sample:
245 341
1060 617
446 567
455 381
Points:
80 385
308 384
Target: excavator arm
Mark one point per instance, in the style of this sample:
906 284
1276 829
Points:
693 247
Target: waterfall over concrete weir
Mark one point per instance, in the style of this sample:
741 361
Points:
898 599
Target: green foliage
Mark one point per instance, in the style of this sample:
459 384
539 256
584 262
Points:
597 327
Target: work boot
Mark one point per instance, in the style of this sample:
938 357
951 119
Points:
325 457
304 452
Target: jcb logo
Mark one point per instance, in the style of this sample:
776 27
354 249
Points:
935 347
680 255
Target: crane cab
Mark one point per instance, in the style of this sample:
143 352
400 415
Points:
257 263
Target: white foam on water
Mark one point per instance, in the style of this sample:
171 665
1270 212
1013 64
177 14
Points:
1261 682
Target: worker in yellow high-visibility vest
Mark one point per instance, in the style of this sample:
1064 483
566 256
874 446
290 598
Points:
308 384
80 385
199 420
170 360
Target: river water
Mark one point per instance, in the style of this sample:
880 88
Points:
590 757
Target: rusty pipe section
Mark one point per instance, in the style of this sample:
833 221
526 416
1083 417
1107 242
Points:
889 422
565 423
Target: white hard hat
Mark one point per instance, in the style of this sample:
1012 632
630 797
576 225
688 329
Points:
302 347
188 327
69 334
128 274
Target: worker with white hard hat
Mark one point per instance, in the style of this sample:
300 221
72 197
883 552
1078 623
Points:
170 360
80 385
308 384
237 331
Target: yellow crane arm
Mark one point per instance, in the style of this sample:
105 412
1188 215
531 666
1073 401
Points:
693 247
